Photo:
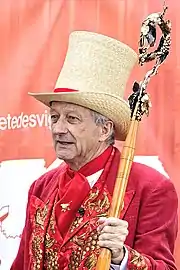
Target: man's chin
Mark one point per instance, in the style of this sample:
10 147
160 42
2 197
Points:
65 156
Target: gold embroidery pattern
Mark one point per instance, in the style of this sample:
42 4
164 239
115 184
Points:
52 224
37 252
85 247
93 194
51 258
101 205
49 242
52 218
38 239
75 259
40 216
76 223
91 243
51 252
138 261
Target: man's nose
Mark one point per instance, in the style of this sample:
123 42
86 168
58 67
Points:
60 127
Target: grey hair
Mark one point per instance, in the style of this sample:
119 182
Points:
100 119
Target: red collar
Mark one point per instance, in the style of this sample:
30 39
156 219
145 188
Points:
96 164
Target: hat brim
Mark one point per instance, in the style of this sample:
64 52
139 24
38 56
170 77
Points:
113 107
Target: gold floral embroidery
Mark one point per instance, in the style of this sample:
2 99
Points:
91 242
138 261
52 218
52 224
51 257
37 252
93 194
105 202
86 243
40 215
100 205
51 252
49 242
86 248
37 239
75 259
79 240
76 223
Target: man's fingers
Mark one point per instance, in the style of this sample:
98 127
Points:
112 237
114 230
114 222
110 245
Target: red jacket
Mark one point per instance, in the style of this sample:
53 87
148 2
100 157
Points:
150 207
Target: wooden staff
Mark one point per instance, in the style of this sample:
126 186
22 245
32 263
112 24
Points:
139 105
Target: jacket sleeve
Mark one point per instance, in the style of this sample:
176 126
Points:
156 231
21 261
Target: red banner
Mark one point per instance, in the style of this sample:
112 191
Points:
34 36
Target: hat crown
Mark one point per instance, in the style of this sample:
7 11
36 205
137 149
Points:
96 63
98 67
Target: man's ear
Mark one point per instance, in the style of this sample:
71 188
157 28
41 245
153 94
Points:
106 130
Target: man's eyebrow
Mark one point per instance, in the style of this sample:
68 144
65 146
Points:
75 111
67 111
52 110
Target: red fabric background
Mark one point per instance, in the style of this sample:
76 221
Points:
34 37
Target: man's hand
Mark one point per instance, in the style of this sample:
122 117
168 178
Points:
113 233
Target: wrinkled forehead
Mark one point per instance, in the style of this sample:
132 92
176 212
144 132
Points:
60 106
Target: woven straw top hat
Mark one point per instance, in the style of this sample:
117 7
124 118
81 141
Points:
94 75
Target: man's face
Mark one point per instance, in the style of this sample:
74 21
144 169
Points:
75 134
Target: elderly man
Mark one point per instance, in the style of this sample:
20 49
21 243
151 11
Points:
67 213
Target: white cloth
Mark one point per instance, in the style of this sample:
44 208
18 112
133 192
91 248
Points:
124 263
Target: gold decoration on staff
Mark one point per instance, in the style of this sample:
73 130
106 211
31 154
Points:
139 104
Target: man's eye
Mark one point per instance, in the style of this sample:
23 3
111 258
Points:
73 119
54 118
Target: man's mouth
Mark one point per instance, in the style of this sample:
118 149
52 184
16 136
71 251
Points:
64 142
